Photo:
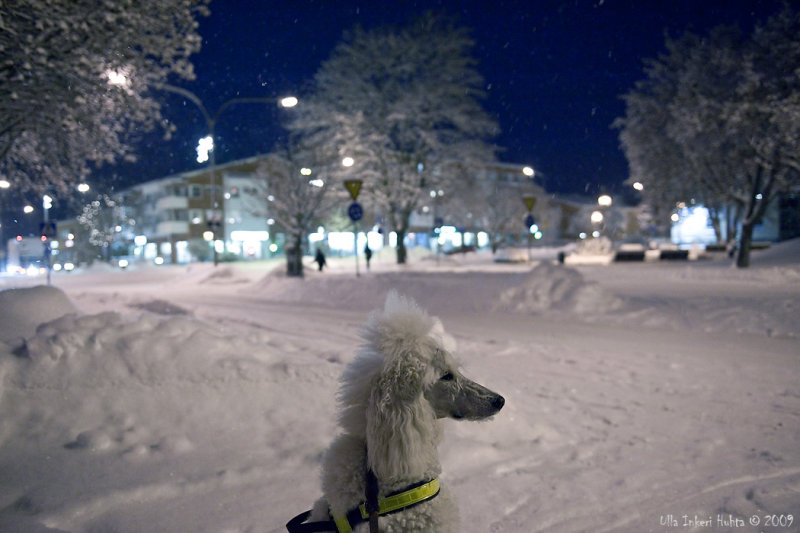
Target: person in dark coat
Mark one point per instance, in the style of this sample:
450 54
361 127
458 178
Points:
320 259
368 254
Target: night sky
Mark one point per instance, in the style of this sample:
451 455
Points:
554 73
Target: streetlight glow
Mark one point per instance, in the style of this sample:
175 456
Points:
4 184
639 186
117 77
348 162
28 209
604 200
83 187
288 101
204 147
305 171
597 217
528 171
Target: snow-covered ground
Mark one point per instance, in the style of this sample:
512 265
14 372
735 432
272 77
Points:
194 399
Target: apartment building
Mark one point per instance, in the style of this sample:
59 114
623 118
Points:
174 217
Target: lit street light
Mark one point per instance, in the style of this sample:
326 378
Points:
288 101
205 149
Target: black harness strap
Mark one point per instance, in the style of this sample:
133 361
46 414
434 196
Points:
298 525
372 505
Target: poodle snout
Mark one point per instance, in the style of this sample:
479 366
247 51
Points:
498 402
463 399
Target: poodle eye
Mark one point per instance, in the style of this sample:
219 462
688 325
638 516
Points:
447 377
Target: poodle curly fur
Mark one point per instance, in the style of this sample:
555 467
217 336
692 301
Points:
393 395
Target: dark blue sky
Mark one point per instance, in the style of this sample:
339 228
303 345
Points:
554 72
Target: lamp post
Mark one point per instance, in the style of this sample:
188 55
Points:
214 219
355 211
437 222
47 203
4 184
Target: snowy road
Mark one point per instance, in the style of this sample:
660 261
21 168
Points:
619 420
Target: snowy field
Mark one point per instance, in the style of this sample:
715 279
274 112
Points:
659 397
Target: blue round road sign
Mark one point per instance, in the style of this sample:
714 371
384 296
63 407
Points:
355 212
530 221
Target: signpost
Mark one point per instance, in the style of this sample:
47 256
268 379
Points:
48 231
529 202
355 212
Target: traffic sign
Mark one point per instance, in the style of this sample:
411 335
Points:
47 229
353 187
530 201
355 212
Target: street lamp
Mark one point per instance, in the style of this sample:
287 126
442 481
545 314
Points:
4 184
437 222
205 149
288 101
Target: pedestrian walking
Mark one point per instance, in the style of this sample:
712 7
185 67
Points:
320 259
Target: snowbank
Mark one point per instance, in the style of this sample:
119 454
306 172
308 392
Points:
24 309
555 288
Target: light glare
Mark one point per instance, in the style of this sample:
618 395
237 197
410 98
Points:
204 147
116 77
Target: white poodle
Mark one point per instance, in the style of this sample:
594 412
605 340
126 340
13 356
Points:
402 381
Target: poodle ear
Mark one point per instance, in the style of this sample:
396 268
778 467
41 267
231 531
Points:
447 341
401 425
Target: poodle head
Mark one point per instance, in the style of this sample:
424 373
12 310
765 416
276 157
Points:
402 381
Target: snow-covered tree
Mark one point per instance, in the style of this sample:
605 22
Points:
405 105
495 208
74 76
718 119
292 190
101 220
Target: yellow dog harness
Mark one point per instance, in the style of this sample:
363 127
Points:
393 503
